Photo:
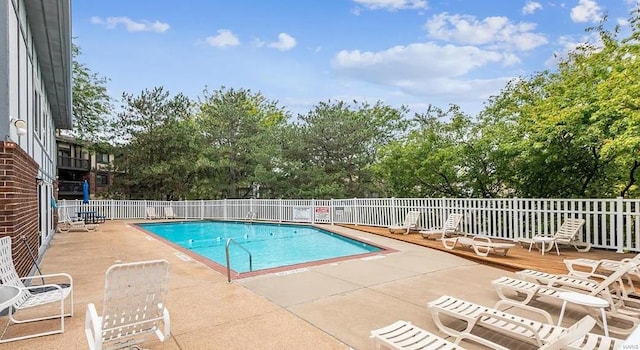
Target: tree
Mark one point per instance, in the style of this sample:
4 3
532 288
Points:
240 130
334 146
91 103
159 146
430 162
576 128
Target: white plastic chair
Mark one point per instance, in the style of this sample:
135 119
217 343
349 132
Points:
567 233
519 293
150 213
509 325
450 226
133 308
410 222
168 213
35 294
66 223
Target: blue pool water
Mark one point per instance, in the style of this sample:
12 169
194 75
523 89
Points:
271 245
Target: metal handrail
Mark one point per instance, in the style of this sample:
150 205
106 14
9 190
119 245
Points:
226 250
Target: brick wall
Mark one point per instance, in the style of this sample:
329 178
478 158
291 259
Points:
18 202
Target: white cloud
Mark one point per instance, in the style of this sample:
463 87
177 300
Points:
131 25
414 61
530 7
632 3
570 43
467 29
623 22
586 11
425 69
224 38
391 4
285 42
510 59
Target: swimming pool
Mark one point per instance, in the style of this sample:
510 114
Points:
271 245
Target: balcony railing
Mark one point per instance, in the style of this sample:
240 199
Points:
73 163
69 187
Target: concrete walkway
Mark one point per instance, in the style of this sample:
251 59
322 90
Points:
331 306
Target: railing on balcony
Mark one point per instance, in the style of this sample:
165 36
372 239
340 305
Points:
73 163
69 187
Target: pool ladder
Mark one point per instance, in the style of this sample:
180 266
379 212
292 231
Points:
226 250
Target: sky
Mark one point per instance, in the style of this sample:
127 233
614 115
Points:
414 53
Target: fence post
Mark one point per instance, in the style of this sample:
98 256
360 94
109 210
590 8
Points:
144 210
313 211
516 217
394 212
355 211
331 211
279 209
619 229
224 209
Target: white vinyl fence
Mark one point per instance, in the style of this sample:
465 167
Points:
610 223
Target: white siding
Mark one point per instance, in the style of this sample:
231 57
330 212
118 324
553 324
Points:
24 80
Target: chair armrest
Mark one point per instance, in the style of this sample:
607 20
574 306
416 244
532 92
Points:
485 239
66 275
93 326
506 320
472 337
166 318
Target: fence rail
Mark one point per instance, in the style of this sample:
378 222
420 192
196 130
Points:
609 223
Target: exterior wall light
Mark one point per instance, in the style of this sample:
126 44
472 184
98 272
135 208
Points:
21 126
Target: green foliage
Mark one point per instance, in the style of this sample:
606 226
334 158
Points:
332 148
161 144
239 128
573 131
91 103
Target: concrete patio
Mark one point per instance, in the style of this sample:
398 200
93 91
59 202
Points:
330 306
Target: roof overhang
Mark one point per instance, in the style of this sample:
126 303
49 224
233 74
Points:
50 22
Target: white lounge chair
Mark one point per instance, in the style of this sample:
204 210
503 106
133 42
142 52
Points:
168 213
450 226
404 335
567 233
542 277
513 326
150 213
251 216
134 306
35 294
410 223
66 223
481 245
520 293
584 267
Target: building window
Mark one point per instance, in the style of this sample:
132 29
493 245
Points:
37 111
102 158
102 179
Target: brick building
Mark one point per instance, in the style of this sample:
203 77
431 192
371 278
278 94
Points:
77 163
35 100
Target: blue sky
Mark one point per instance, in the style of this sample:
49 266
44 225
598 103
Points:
301 52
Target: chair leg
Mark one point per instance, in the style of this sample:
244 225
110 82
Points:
62 315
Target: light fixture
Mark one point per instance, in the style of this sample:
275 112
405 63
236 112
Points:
21 126
39 181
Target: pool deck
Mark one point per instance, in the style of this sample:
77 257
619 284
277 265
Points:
329 306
